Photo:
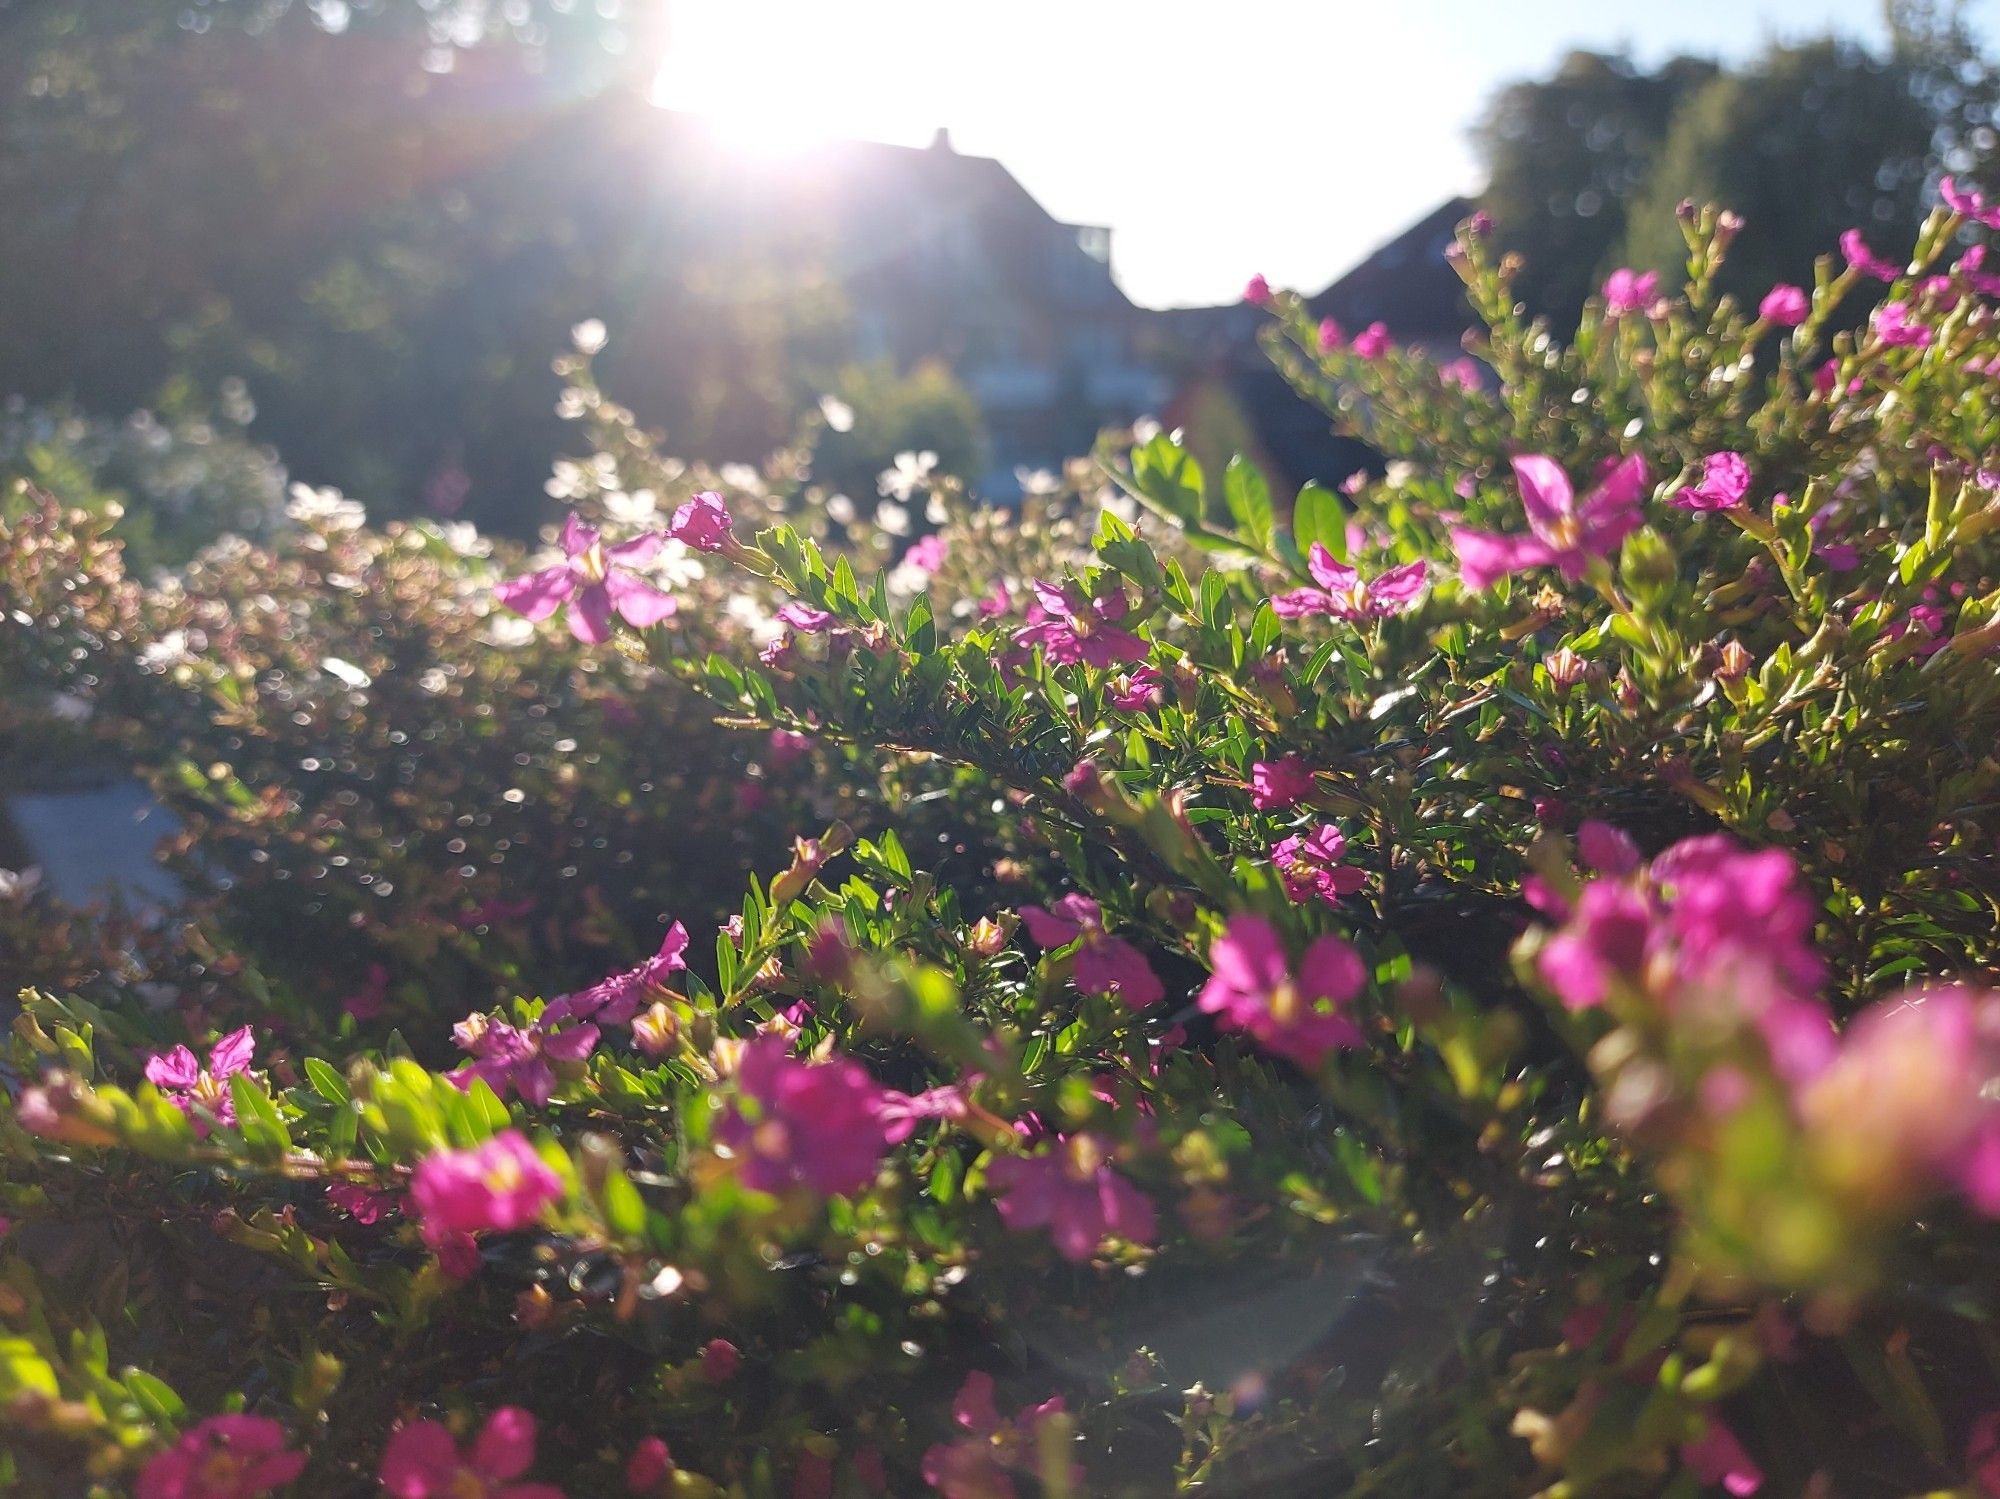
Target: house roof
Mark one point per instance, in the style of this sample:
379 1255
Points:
1406 283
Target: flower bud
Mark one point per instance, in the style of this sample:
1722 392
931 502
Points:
1565 668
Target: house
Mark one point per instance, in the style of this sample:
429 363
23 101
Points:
1228 397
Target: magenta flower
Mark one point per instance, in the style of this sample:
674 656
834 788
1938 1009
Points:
1072 629
1279 783
784 747
720 1359
648 1466
1716 1457
1725 480
1604 941
1861 258
1372 342
1072 1191
1606 849
197 1090
616 999
1344 595
423 1462
223 1457
1104 964
927 553
1982 1453
360 1204
1563 533
818 1125
1310 868
500 1185
702 523
1138 690
1332 337
1785 305
977 1465
1252 989
1894 326
1627 291
806 619
1257 291
1968 203
1463 372
372 998
594 583
511 1059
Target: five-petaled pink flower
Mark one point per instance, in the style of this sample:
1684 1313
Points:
1252 989
1564 534
1071 1191
1344 594
1104 964
1073 629
1282 782
1785 305
423 1462
1141 688
223 1457
594 582
500 1185
1969 203
978 1464
1894 326
1725 480
702 523
196 1090
1310 865
1861 258
1627 291
508 1057
818 1125
1372 342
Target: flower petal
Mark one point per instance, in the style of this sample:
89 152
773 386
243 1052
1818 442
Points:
537 595
1545 490
639 603
590 614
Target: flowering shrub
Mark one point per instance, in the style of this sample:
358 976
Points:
1483 987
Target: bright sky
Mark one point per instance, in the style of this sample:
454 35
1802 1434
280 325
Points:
1215 137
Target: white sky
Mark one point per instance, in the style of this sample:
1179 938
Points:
1215 137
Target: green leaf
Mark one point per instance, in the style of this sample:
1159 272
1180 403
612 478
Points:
1319 516
257 1118
1249 498
1169 478
326 1082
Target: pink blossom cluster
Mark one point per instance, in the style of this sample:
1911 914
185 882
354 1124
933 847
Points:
1074 628
1299 1014
1073 1192
817 1125
981 1464
1104 964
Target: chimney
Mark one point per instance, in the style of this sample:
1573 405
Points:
942 140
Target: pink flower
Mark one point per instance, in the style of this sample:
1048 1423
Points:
1982 1453
360 1204
1893 325
594 583
1072 1191
497 912
1725 480
509 1058
1606 849
813 1124
1310 867
223 1457
1627 291
1138 690
616 999
196 1090
1968 203
784 747
1464 372
1716 1457
1279 783
648 1466
926 554
423 1462
702 523
806 619
1332 337
719 1361
1604 940
500 1185
1072 629
1564 534
1257 291
1785 305
369 1001
1343 595
1861 258
1104 964
1252 989
1372 342
977 1465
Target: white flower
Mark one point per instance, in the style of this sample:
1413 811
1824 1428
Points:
507 631
328 508
905 580
839 508
463 538
590 336
1037 481
911 473
676 566
67 707
1399 474
1145 429
752 617
170 650
347 672
741 476
639 508
839 415
19 884
892 518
